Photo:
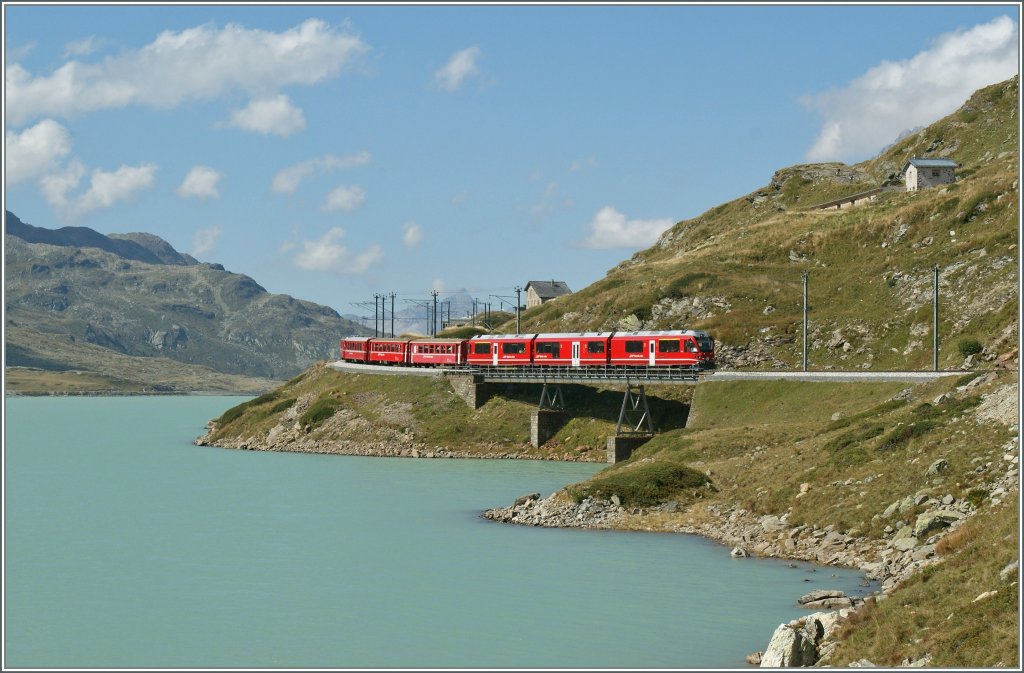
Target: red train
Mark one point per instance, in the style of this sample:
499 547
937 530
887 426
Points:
675 348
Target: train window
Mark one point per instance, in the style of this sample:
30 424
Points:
634 346
552 348
595 346
482 348
691 347
513 349
668 346
706 344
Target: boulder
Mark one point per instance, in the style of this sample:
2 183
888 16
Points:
523 499
937 468
789 648
819 594
930 521
738 552
1008 571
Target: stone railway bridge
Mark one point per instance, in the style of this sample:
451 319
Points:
635 425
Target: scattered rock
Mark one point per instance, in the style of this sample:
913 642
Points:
738 552
1008 571
983 596
754 659
937 468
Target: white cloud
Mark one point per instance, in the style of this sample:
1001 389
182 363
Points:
871 111
437 285
345 197
460 198
204 241
328 254
105 187
198 63
461 66
287 180
35 151
611 229
580 164
550 201
82 47
275 115
412 234
201 182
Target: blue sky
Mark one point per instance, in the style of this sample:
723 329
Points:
332 152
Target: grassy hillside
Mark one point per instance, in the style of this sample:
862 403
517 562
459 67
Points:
862 460
324 405
736 270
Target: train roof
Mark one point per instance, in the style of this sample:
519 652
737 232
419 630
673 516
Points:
502 337
356 338
666 333
575 335
437 340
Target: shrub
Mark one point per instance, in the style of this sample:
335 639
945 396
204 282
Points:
318 412
641 485
282 405
905 433
968 347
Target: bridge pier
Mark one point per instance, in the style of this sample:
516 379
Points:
471 388
544 423
621 447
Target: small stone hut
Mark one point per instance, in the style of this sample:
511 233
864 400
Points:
541 291
921 173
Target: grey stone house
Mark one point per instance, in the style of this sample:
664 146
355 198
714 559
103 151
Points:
541 291
921 173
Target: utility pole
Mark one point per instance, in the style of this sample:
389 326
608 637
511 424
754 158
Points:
392 314
935 320
433 315
375 298
805 321
518 304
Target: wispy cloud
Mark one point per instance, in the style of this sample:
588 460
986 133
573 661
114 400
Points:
105 187
201 183
412 234
287 180
200 63
346 198
550 201
274 115
204 241
35 151
610 229
871 111
82 47
580 164
460 67
328 254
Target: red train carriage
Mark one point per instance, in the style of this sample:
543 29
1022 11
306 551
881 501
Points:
354 349
572 350
676 348
500 349
427 352
389 351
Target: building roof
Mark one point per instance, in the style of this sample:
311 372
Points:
929 163
549 289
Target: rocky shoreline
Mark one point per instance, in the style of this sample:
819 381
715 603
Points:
806 641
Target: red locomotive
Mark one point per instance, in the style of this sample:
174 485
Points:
692 349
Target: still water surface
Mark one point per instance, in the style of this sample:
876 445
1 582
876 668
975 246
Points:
129 547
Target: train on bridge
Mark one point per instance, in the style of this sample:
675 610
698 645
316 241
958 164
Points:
681 349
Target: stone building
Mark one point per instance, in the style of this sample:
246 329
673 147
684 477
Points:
541 291
921 173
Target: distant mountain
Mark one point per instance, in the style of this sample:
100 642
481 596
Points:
135 295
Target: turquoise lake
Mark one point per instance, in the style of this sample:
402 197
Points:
129 547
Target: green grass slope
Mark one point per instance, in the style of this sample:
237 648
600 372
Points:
736 270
